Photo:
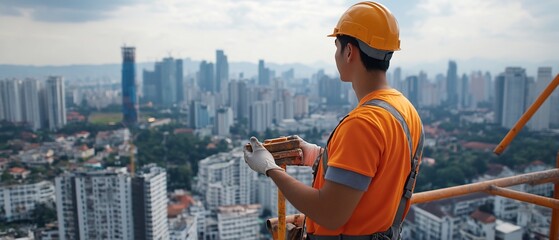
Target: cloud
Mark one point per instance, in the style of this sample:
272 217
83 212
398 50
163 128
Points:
482 28
64 10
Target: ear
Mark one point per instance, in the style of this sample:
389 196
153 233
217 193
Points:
350 52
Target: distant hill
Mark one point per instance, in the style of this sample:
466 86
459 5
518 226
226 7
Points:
111 72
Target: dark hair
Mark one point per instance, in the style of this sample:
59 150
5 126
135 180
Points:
369 62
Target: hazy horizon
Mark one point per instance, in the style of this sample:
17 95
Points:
492 33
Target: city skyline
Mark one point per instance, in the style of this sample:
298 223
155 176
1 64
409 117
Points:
432 31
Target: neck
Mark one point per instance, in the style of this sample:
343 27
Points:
368 82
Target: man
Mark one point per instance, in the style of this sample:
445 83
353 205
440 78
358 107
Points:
365 176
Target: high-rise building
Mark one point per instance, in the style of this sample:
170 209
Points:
330 90
179 77
110 204
199 115
13 106
221 71
541 120
56 102
94 205
413 92
206 77
288 105
479 88
397 79
452 85
223 122
261 116
151 85
164 85
32 103
149 199
499 97
301 107
130 107
263 74
464 97
3 101
514 95
168 82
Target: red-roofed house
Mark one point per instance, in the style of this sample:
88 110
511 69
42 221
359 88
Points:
479 225
180 202
479 146
19 173
84 152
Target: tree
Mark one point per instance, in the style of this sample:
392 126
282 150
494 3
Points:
43 213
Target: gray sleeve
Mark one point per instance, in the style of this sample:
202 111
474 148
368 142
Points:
348 178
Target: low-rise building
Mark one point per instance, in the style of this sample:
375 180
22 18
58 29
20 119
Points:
17 201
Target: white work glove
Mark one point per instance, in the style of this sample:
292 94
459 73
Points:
260 159
310 151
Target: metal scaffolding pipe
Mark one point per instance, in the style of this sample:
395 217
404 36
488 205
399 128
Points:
525 197
281 212
526 116
541 177
554 226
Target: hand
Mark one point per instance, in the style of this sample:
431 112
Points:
260 159
310 151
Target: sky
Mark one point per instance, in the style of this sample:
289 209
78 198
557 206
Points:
478 34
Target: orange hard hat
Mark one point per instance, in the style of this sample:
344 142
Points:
371 24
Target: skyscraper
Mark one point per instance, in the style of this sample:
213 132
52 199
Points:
168 82
56 102
514 95
11 92
32 103
94 205
221 71
541 119
110 204
179 79
223 122
263 74
3 100
206 77
499 97
149 203
452 85
413 90
130 106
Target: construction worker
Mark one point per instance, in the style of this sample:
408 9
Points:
365 176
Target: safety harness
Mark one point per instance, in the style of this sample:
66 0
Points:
394 231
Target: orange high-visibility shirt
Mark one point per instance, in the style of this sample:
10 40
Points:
372 143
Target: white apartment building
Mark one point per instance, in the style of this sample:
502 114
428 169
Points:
18 201
110 204
441 219
225 179
223 122
238 222
56 102
149 199
95 205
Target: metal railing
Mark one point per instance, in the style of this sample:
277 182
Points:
496 186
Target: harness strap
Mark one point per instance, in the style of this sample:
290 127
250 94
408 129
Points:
414 160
